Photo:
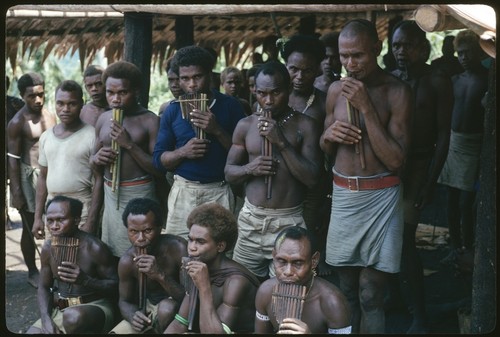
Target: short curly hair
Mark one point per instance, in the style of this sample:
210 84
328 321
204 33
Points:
142 206
124 70
193 56
29 80
304 44
468 37
218 220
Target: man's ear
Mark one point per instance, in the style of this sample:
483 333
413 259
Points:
315 259
221 246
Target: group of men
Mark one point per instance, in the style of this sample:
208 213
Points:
375 132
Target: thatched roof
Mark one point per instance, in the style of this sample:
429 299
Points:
86 29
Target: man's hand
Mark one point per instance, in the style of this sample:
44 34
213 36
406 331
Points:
293 326
342 133
70 272
195 148
147 264
38 229
105 156
140 321
199 273
120 135
204 120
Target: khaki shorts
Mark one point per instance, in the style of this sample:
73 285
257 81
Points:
124 327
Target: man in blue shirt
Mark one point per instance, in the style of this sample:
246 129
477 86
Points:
197 161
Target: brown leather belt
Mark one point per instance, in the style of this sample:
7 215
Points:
359 183
64 302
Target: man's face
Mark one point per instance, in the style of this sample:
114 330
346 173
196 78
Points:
95 87
358 54
194 79
142 230
406 49
468 56
34 97
201 245
331 62
303 70
293 262
59 220
271 93
68 106
232 85
120 94
173 84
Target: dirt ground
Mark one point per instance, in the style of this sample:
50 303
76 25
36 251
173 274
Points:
448 291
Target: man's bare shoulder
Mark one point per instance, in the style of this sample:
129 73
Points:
173 242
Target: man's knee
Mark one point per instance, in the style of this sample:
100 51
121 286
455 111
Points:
167 309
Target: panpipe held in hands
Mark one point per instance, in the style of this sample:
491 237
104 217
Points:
189 102
142 283
115 167
191 291
64 248
287 301
267 150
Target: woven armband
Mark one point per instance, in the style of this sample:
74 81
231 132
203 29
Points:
227 330
181 320
13 156
261 317
341 331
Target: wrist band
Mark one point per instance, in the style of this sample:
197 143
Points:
261 316
346 330
13 156
227 330
181 320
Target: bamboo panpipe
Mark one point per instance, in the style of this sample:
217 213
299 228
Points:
142 284
189 102
64 248
191 291
116 166
287 301
354 118
267 150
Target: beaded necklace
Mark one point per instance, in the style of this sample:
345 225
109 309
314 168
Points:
310 100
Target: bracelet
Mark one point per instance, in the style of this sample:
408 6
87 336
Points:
181 320
13 155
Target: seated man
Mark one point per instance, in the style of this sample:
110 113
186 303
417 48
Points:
150 292
226 290
78 279
325 309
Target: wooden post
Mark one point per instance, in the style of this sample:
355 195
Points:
307 25
184 31
138 47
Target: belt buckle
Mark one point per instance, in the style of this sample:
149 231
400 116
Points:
74 301
350 186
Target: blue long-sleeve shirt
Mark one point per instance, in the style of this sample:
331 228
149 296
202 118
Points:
175 132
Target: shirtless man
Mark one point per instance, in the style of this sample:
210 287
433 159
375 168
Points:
430 134
461 169
136 138
65 151
330 66
23 133
92 78
159 267
366 227
74 297
226 289
292 167
303 57
231 79
325 309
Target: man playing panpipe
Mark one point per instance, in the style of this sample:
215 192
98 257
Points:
135 137
148 271
78 278
226 289
197 163
366 225
292 165
320 308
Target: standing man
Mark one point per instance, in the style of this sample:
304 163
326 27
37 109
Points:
430 134
461 169
23 133
226 289
92 78
135 137
448 62
78 279
366 227
173 83
231 79
65 151
292 166
330 66
155 258
325 309
197 163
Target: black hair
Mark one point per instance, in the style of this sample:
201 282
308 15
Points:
305 44
93 70
142 206
124 70
295 233
411 27
273 68
29 80
71 86
75 205
193 56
